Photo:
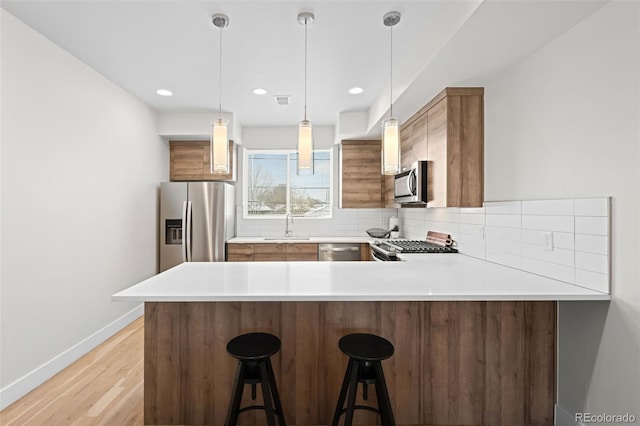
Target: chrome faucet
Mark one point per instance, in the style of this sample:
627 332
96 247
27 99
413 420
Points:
286 228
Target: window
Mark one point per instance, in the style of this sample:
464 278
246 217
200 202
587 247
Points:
272 187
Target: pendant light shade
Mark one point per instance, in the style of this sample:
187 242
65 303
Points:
305 129
219 144
219 148
390 147
390 126
305 146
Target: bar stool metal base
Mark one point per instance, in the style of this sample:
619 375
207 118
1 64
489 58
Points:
364 367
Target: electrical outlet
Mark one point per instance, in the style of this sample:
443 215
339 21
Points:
547 238
480 231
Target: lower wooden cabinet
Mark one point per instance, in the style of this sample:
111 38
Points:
272 252
240 252
301 252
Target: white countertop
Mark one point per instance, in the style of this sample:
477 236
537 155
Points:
251 240
432 277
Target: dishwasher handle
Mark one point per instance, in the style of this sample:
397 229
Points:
339 252
339 249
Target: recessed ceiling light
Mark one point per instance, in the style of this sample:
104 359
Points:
164 92
259 91
355 90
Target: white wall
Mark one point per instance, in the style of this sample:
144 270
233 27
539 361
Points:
195 125
285 137
81 162
565 123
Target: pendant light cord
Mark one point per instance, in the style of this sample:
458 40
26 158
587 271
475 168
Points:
305 68
391 73
220 81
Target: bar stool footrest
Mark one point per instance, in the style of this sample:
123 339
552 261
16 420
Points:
360 407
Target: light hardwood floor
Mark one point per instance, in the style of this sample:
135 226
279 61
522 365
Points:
103 387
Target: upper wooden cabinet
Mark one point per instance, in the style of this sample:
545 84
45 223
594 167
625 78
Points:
361 176
189 160
449 133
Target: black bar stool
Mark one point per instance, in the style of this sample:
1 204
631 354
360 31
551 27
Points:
365 352
253 352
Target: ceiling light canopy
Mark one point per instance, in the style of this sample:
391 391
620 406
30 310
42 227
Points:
355 90
219 144
164 92
390 127
259 91
305 129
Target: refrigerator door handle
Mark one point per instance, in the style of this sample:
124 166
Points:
184 231
188 239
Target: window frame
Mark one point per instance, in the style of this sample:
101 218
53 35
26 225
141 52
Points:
287 152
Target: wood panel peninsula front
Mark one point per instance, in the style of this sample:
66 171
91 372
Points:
475 342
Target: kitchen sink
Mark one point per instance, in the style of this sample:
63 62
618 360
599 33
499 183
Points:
285 238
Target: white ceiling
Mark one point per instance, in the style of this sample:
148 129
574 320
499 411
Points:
146 45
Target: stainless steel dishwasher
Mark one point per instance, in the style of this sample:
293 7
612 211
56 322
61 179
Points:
338 251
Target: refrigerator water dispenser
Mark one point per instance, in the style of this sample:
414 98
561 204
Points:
173 231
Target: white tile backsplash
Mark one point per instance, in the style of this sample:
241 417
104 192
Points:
473 230
504 220
549 207
592 262
503 207
474 219
562 240
592 225
597 244
558 256
548 223
500 233
510 247
512 233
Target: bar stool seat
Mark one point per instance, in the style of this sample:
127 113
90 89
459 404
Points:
365 352
253 352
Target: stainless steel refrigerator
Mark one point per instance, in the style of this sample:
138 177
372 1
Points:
196 218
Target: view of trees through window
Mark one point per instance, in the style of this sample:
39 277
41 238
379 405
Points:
274 188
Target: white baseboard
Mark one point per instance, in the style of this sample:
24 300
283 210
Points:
565 418
16 390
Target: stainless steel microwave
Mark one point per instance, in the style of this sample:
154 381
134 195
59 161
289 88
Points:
410 186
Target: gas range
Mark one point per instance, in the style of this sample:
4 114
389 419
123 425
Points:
387 250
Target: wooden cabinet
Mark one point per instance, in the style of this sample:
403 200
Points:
272 252
269 252
300 252
361 177
455 149
449 133
240 252
189 160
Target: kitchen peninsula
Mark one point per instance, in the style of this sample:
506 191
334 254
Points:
475 342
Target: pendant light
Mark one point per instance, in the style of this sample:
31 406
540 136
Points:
390 127
305 130
219 145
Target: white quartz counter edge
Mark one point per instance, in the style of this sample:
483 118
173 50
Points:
252 240
448 277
